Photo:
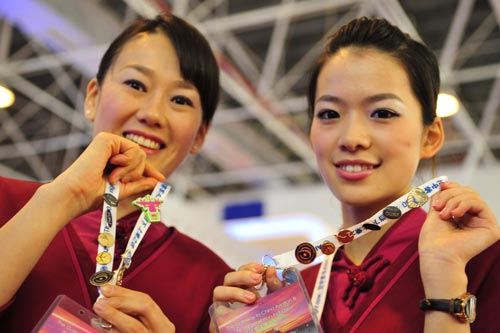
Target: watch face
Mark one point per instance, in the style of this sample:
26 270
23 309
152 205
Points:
470 308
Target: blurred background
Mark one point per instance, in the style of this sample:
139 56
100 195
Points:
254 188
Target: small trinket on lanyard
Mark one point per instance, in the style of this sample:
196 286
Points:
417 198
150 207
106 239
305 253
101 278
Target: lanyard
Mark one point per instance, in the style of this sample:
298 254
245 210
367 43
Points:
306 253
150 206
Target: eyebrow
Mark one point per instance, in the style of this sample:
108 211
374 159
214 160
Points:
148 71
369 99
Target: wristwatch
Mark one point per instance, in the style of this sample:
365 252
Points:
463 307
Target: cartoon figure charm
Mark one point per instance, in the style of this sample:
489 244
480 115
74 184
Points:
150 207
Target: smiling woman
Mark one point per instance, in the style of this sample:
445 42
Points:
372 104
145 98
151 105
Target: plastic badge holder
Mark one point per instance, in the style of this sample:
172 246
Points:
285 310
67 316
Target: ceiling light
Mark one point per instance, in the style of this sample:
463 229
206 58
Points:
447 105
6 97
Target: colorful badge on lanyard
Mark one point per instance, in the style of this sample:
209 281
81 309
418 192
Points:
150 207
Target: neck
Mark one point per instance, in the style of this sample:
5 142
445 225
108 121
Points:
359 248
125 207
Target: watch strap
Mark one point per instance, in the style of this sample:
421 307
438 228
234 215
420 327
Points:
459 307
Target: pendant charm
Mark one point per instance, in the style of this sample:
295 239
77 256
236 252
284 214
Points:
305 253
417 198
103 258
371 226
119 276
106 239
111 199
101 278
150 207
345 236
327 247
392 212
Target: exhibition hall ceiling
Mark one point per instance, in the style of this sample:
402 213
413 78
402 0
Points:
49 49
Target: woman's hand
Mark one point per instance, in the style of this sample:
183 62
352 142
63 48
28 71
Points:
131 311
243 285
459 226
86 177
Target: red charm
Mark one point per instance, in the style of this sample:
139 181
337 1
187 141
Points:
345 236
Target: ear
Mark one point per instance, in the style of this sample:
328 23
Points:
200 138
91 99
433 139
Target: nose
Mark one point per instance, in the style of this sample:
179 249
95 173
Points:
354 134
153 112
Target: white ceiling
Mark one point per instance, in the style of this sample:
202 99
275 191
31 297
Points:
50 48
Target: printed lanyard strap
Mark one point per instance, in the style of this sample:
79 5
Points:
306 253
150 206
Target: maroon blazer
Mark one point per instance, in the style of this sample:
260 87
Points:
179 273
391 306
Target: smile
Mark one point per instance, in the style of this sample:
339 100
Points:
355 167
144 142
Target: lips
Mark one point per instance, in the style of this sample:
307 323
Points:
145 141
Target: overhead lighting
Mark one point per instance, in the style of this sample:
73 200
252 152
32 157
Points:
7 97
447 105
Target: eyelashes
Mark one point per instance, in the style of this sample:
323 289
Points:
382 113
139 86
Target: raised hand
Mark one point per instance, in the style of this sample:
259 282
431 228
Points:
86 177
131 311
459 226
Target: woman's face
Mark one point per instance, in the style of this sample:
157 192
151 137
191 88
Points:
367 131
145 99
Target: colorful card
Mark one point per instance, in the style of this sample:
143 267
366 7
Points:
285 310
67 316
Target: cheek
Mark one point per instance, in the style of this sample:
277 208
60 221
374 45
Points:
320 143
108 114
185 129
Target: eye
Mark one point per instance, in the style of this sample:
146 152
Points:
182 100
327 114
384 114
137 85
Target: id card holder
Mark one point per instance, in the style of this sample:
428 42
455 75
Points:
287 309
66 315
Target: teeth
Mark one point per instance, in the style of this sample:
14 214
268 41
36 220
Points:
142 141
355 168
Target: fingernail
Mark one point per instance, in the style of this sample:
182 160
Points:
256 276
249 296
